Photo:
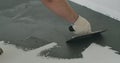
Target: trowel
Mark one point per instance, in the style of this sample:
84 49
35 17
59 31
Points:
1 51
89 35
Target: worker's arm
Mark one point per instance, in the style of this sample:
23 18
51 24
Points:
62 8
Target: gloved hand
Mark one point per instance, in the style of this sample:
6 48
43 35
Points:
81 27
1 51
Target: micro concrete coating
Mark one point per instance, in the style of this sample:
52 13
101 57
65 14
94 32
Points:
29 24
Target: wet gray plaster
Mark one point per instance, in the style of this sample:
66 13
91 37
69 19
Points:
30 24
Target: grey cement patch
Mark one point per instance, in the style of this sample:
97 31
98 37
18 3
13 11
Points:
5 4
31 25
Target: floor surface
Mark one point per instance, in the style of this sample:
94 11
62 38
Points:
32 25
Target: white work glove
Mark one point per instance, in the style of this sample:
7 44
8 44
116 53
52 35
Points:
81 26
